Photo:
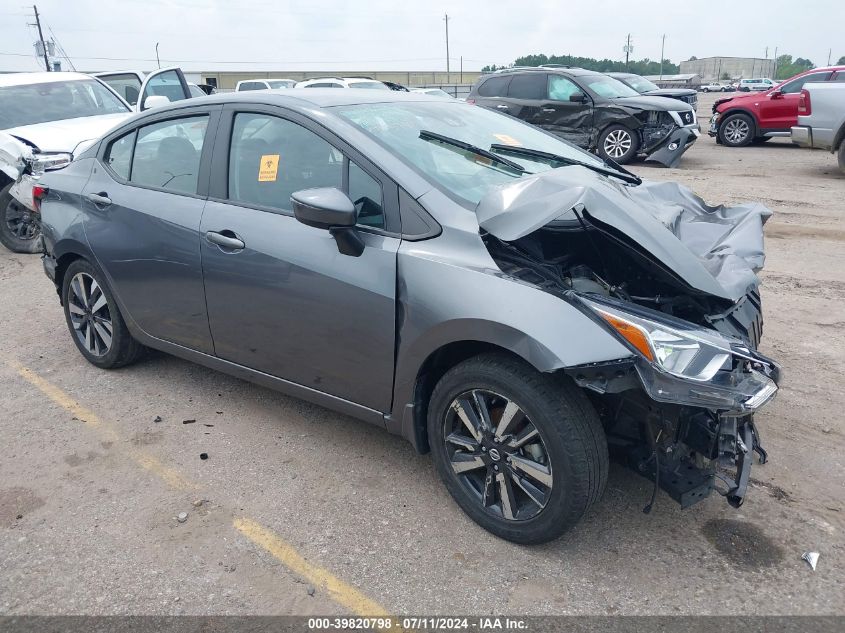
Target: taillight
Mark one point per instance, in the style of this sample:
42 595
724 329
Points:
38 194
804 105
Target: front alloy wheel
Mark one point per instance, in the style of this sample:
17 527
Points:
619 144
19 227
498 454
736 130
521 452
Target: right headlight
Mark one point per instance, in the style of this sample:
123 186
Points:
688 352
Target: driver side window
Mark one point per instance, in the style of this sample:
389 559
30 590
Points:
561 88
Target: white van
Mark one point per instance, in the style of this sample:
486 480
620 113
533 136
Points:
756 85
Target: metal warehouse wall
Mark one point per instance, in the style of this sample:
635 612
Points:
736 67
228 80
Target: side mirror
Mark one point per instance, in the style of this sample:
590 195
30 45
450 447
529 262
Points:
776 94
578 97
155 101
329 208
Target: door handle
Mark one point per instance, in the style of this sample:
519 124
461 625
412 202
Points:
100 199
231 241
548 109
501 106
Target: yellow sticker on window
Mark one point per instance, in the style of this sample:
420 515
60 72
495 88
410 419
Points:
268 169
508 140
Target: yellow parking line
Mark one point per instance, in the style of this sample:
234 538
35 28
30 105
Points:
342 593
55 394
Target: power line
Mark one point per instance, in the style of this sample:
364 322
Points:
247 62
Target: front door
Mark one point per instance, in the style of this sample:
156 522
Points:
779 108
145 199
281 298
567 112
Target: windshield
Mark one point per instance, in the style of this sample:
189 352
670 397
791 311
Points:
281 84
608 87
397 127
641 84
56 101
371 85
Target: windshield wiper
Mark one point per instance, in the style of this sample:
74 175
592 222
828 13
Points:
612 169
451 143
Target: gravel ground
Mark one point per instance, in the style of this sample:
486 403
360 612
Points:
89 495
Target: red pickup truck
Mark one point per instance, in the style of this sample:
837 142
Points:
756 117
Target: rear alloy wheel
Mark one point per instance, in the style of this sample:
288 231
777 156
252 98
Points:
619 144
94 321
737 130
19 227
522 453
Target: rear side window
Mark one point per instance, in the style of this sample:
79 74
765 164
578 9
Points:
118 156
167 154
270 158
494 87
251 85
840 76
324 85
528 86
127 85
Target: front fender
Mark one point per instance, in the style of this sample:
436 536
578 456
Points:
442 303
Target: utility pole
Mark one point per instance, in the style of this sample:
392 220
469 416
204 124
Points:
446 17
775 76
41 37
662 46
628 49
829 51
157 59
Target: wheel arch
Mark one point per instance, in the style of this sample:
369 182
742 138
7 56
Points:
65 253
839 138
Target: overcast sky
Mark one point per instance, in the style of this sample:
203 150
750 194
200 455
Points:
395 35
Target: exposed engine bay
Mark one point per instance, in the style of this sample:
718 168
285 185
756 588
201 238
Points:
686 425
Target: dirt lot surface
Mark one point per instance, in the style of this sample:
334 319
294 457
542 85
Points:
307 511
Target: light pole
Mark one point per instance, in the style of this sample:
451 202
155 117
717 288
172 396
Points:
662 46
628 50
446 18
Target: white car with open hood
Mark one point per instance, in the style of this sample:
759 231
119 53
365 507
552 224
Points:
48 118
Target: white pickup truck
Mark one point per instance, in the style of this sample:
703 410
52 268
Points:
821 118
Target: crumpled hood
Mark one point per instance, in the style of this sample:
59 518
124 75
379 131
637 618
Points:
647 102
65 135
717 250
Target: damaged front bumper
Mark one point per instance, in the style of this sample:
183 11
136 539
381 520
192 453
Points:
670 150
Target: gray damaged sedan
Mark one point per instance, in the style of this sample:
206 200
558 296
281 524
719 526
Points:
493 294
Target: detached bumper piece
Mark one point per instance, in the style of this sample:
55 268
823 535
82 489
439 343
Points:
670 151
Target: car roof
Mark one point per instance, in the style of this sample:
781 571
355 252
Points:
572 71
309 98
618 75
24 79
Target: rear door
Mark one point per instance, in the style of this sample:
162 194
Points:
169 83
493 92
281 298
526 95
779 108
144 202
559 114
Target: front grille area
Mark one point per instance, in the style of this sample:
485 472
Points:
687 117
691 99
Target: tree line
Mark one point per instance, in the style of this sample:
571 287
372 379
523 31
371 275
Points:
641 67
786 65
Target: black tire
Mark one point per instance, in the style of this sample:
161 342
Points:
571 441
705 90
19 228
759 140
736 130
840 156
615 139
121 349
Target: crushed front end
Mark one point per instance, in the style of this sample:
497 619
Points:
665 136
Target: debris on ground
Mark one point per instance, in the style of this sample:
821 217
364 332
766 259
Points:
208 425
182 517
157 418
203 455
188 421
310 590
198 503
812 558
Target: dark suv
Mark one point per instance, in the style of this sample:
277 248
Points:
593 111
